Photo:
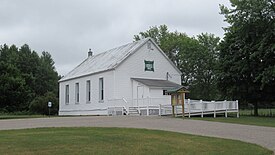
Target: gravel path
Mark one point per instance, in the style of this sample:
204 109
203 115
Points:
264 136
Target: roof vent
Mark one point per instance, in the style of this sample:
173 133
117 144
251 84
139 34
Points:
90 53
149 46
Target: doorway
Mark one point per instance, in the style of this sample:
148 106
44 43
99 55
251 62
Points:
140 95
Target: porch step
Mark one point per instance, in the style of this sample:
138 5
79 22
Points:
133 111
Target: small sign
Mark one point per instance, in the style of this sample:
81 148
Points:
49 104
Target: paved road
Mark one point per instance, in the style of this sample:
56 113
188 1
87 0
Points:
264 136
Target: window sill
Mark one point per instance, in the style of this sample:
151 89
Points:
88 102
76 102
101 101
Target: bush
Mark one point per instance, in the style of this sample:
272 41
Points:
40 104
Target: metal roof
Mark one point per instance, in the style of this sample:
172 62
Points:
109 60
104 61
157 83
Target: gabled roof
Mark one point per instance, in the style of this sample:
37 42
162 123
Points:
158 83
108 60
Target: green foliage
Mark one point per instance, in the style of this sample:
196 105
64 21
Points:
247 66
195 57
24 76
40 104
13 91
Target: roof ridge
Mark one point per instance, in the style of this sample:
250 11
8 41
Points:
124 45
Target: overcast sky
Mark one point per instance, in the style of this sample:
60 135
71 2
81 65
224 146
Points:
68 28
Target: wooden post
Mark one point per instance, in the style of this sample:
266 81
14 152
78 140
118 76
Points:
159 109
201 108
214 108
225 108
238 114
147 110
173 111
176 110
182 104
172 103
188 108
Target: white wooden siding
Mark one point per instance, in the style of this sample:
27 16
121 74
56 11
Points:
134 67
84 106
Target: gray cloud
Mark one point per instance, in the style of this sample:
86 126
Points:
68 28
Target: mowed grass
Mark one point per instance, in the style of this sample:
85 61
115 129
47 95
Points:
117 141
10 116
261 112
246 120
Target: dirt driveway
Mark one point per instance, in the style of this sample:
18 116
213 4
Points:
264 136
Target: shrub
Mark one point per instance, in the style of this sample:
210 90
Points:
40 104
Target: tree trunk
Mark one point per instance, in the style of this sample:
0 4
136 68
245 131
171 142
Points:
256 109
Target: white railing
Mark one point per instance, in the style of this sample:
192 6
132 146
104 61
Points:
145 106
193 107
116 111
199 107
150 101
162 106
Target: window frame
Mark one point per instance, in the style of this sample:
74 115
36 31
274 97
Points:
77 94
164 92
101 89
67 94
146 68
88 91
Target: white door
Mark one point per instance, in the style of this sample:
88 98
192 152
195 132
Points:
140 93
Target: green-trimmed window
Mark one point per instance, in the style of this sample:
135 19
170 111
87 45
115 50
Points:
149 65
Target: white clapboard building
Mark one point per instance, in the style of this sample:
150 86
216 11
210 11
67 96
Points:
128 76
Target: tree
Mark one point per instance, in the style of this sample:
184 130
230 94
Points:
168 41
40 104
24 76
247 66
207 71
13 92
196 58
47 77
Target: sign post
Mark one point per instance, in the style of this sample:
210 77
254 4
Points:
49 106
177 98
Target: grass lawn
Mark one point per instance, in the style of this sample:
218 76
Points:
117 141
261 112
10 116
247 120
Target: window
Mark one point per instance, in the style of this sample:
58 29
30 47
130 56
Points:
77 93
164 92
101 89
88 91
67 97
149 65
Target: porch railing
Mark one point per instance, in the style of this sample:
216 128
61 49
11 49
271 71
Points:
162 106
